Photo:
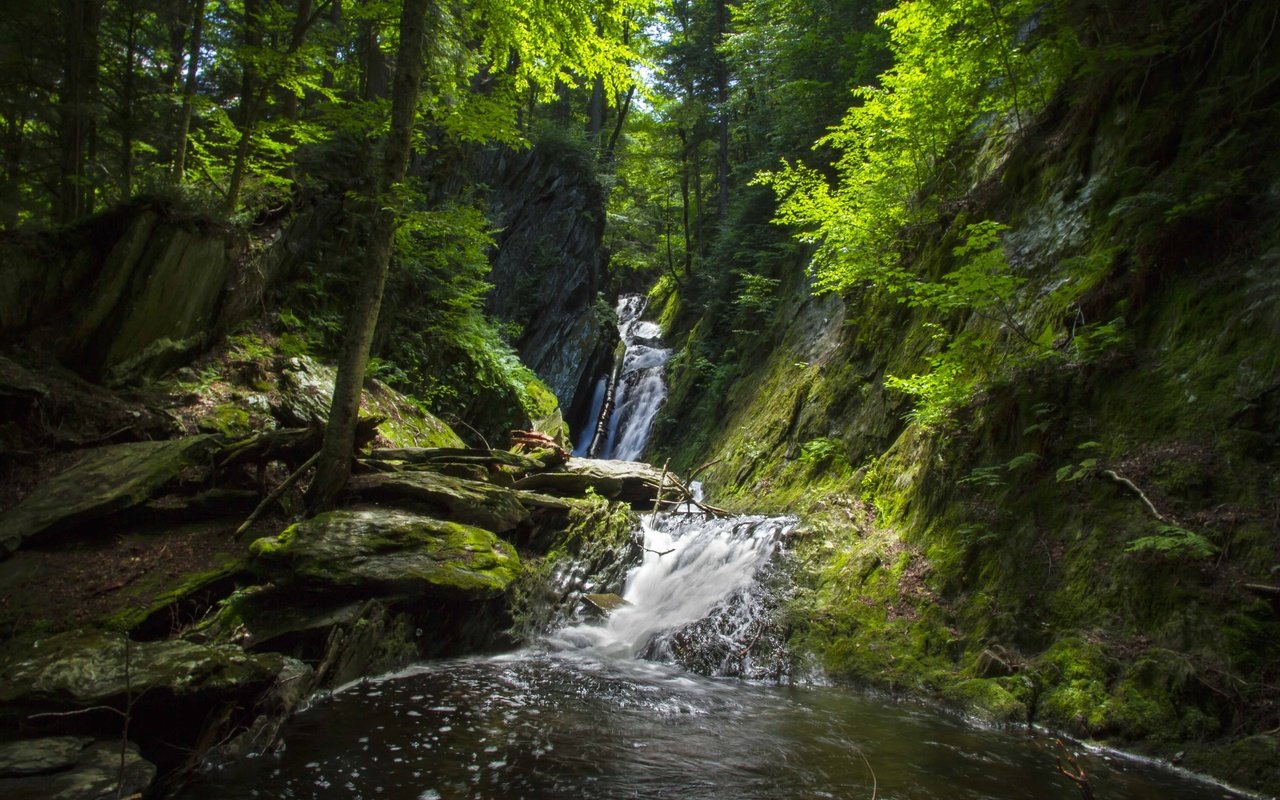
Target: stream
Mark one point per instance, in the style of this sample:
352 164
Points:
599 708
579 715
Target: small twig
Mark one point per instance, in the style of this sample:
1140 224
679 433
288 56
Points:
661 553
477 433
874 784
1076 774
78 711
693 475
1112 476
276 495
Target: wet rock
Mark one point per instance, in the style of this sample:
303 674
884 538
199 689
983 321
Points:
392 553
105 480
604 604
88 668
472 502
40 756
95 774
628 481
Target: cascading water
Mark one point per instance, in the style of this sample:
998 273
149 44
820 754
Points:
623 425
694 569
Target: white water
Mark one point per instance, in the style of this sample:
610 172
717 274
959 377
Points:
641 389
692 567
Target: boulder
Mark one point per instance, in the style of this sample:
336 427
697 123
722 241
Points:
92 668
89 773
389 552
472 502
40 756
105 480
602 605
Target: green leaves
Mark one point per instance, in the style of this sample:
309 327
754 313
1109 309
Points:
1173 541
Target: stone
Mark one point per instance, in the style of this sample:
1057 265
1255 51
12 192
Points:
87 668
628 481
96 775
389 552
104 481
472 502
40 756
604 604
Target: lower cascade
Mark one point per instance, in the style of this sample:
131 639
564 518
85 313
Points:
602 709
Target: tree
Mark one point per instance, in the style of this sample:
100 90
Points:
483 61
335 457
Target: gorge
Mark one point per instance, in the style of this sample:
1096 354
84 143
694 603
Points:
760 398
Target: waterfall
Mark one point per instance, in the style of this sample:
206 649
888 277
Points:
695 599
629 403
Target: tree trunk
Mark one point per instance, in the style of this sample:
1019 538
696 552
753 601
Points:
248 104
684 201
335 458
722 114
128 82
189 91
76 100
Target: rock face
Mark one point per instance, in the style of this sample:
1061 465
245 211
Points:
549 268
106 480
380 551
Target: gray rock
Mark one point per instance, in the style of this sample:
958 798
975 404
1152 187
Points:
628 481
97 774
472 502
105 480
40 756
88 668
390 552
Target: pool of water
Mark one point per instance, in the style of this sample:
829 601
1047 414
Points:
547 724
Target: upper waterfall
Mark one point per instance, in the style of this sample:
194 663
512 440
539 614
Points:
629 400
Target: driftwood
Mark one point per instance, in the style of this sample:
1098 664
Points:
1116 478
528 441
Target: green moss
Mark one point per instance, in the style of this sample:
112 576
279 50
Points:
987 700
228 419
154 594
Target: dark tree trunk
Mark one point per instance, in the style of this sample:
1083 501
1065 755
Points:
248 104
128 84
722 114
334 466
76 100
189 90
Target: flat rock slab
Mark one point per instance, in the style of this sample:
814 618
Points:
39 756
94 774
104 481
87 668
627 481
390 552
604 604
472 502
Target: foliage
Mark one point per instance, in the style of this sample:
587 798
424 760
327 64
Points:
955 63
1173 541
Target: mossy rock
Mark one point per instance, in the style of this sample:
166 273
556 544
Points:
229 420
95 771
986 699
1077 693
472 502
105 480
389 552
88 667
148 606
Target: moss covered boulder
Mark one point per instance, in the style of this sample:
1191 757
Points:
90 668
72 768
472 502
390 552
105 480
